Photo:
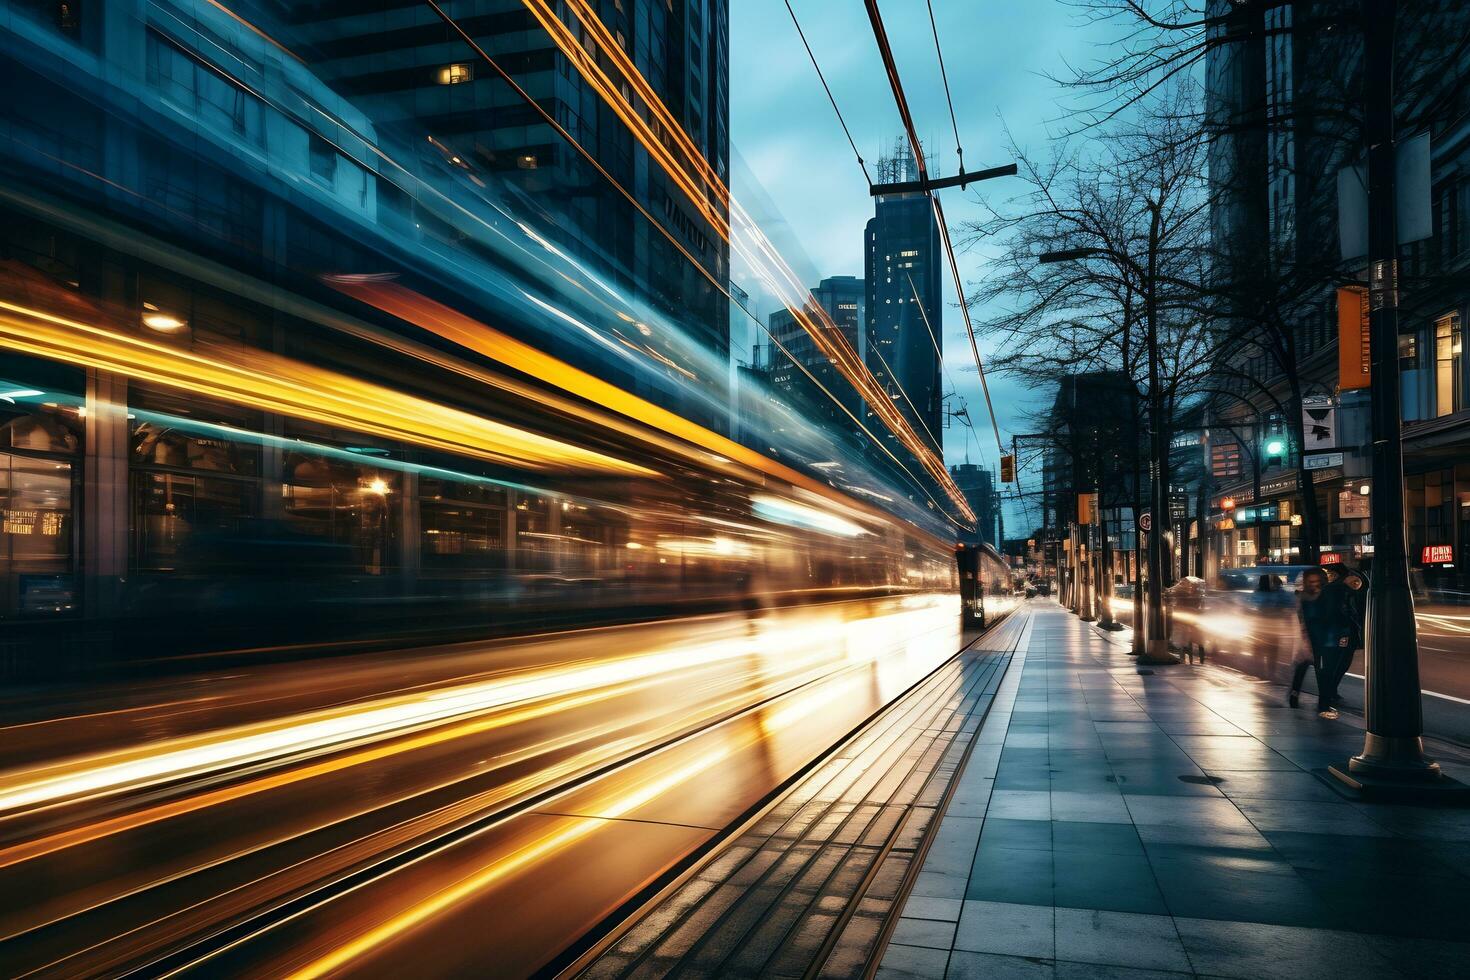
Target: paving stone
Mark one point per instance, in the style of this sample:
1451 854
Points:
913 963
1099 807
988 966
1002 927
924 932
1147 942
943 909
1252 950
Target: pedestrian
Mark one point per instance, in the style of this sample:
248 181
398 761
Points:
1327 636
1352 591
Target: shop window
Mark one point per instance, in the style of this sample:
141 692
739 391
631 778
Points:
1408 352
1449 396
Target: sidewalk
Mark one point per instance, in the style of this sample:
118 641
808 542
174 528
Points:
809 884
1112 823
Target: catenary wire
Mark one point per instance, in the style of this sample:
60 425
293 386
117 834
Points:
830 97
943 74
591 159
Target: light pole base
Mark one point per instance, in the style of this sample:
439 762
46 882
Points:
1436 789
1395 769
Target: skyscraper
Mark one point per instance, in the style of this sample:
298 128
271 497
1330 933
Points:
978 486
904 281
842 298
412 75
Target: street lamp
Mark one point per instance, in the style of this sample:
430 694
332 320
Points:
1392 761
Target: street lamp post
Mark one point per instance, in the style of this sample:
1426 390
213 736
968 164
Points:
1393 745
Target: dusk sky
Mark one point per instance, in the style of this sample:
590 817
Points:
783 126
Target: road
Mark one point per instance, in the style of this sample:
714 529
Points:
429 812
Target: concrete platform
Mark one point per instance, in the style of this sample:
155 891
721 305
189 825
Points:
1117 824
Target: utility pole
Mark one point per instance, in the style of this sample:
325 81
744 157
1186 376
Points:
1392 761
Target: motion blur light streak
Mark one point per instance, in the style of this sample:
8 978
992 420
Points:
273 383
484 339
797 515
749 241
528 854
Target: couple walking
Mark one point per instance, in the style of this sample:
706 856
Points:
1331 614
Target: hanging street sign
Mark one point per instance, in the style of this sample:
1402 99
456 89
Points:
1319 424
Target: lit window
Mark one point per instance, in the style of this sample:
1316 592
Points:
1447 384
454 74
527 161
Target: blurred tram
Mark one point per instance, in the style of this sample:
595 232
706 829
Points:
271 528
234 449
987 589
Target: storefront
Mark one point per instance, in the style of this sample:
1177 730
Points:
1246 533
1437 502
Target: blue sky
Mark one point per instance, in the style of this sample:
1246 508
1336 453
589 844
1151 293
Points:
783 127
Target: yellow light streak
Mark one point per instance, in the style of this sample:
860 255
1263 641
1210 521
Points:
324 731
472 334
530 853
273 383
615 803
707 192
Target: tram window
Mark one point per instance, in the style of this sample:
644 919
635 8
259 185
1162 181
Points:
462 537
37 565
343 506
192 525
179 432
43 429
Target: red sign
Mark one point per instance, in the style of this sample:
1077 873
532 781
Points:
1437 554
1331 558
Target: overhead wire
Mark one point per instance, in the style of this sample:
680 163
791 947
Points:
662 131
830 97
943 74
723 288
885 50
657 134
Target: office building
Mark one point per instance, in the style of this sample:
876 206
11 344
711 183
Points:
978 486
803 371
904 274
398 63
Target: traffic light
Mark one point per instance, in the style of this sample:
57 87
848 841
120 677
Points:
1008 469
1275 443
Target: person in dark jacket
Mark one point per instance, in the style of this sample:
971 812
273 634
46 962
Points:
1351 587
1327 634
